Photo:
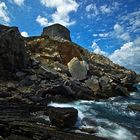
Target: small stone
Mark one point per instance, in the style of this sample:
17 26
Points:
89 130
20 74
11 86
33 77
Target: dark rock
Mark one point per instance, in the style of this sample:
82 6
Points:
57 31
63 117
135 107
1 138
89 130
5 94
17 137
79 91
58 93
11 86
12 51
20 75
122 91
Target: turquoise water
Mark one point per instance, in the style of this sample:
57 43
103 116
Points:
112 118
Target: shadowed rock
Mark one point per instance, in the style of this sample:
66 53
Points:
12 50
57 31
63 117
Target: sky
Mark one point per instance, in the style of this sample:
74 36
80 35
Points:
107 27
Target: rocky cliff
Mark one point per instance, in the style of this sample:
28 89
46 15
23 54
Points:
37 70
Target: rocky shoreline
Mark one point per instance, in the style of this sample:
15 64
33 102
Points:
37 70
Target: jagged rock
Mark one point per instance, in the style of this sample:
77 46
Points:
57 31
93 84
12 51
58 93
63 117
122 91
79 91
11 86
134 107
104 81
77 69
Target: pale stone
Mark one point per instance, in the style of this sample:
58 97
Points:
77 69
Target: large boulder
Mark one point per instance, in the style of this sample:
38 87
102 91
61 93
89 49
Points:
77 69
63 117
57 31
12 51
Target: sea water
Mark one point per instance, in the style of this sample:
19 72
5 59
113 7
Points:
112 117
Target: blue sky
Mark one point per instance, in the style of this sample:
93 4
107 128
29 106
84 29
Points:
108 27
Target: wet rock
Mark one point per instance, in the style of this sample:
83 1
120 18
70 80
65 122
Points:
93 84
134 107
122 91
63 117
77 69
57 31
89 130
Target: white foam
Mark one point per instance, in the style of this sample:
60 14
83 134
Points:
116 133
105 127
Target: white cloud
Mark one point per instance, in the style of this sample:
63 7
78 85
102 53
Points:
131 21
97 49
128 55
24 34
4 18
63 9
103 35
42 21
19 2
119 30
95 35
92 10
105 9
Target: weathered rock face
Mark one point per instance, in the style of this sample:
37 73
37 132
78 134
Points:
12 51
63 117
77 69
57 31
93 84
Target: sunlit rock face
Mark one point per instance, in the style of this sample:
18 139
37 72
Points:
57 31
12 50
77 69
